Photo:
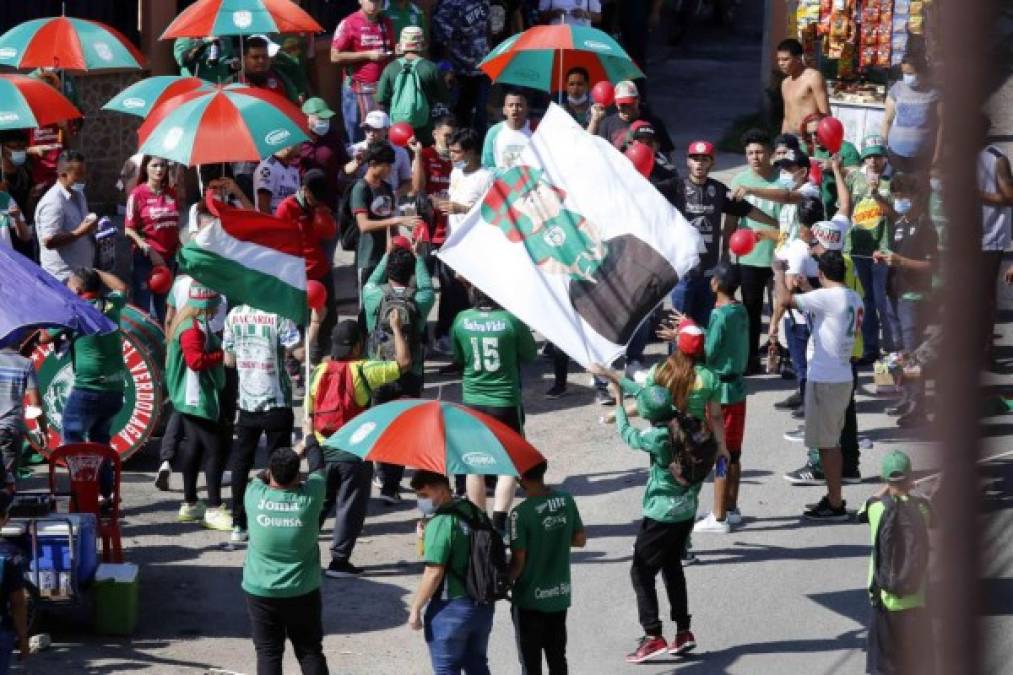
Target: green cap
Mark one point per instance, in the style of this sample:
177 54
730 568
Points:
896 467
654 404
316 106
873 145
203 297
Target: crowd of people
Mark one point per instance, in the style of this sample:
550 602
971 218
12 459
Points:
847 256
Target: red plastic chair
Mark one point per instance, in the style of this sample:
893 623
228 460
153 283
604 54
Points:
82 461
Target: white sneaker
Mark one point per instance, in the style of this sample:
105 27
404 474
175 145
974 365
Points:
711 525
239 535
191 513
733 517
218 519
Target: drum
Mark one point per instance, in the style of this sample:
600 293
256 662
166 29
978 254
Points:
143 395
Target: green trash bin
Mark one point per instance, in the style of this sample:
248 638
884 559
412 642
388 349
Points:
116 598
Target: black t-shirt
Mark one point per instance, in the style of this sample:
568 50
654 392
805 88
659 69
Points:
703 206
13 572
501 14
378 203
614 129
916 240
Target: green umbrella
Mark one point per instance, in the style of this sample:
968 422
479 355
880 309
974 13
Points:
540 57
437 436
235 123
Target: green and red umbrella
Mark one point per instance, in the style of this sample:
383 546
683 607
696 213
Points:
68 44
142 97
539 57
27 103
240 17
233 123
437 436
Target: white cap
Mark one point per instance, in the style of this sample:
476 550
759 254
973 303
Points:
272 47
831 233
377 119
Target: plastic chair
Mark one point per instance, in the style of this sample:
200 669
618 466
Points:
83 462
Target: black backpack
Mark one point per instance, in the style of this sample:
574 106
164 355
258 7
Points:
900 554
694 449
487 578
380 345
348 228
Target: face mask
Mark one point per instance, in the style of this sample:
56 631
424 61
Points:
580 100
426 506
902 205
936 184
18 157
321 127
910 80
460 165
786 180
79 186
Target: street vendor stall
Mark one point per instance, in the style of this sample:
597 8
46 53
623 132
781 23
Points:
858 45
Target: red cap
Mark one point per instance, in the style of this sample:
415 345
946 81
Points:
401 241
701 148
691 338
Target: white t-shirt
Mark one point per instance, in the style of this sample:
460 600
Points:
800 263
258 340
592 6
835 317
400 173
277 178
179 294
7 226
503 146
467 189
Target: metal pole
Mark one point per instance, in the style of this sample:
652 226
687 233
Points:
957 608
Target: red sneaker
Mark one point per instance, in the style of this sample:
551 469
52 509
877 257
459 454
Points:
683 643
648 647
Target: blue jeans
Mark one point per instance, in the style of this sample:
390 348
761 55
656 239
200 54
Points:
877 307
88 415
693 297
350 114
7 641
152 303
457 633
796 334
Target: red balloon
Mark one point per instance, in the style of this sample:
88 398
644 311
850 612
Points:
160 280
400 133
830 134
815 172
603 93
742 242
316 294
642 157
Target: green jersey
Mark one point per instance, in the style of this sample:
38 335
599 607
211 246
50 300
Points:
828 187
705 389
665 499
98 359
543 527
192 392
871 228
447 542
727 348
491 345
762 254
407 15
871 512
283 558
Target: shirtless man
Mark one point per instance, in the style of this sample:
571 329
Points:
804 90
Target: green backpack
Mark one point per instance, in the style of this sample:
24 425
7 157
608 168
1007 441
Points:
409 103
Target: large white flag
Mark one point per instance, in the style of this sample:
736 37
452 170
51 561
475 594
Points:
574 242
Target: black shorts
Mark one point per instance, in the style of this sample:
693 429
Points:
510 415
889 632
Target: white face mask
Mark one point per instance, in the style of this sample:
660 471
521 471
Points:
910 79
902 205
321 127
78 186
580 100
460 165
426 506
786 179
936 184
18 157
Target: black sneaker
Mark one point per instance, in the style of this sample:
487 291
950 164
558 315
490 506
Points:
342 569
807 475
556 391
790 403
390 499
851 477
798 414
826 513
603 397
899 410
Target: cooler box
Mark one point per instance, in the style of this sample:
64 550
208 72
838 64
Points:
54 548
116 590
